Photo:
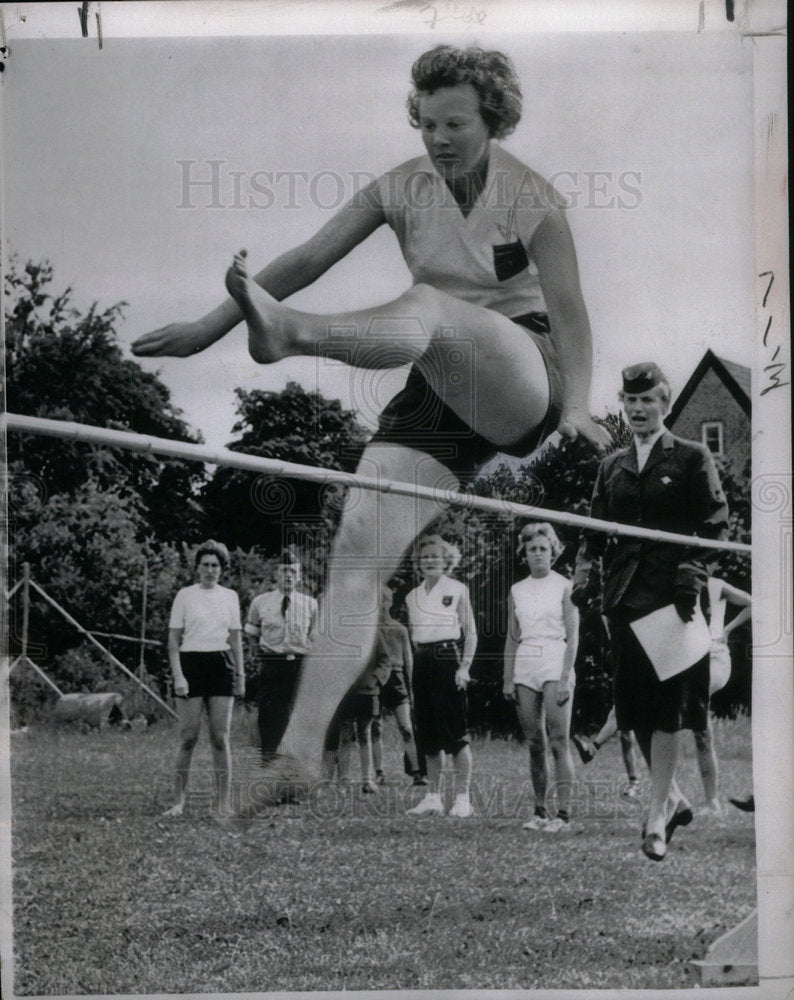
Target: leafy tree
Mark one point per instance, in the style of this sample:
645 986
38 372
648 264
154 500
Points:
255 510
84 551
66 365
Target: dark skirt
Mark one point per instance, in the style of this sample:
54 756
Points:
440 707
208 675
645 704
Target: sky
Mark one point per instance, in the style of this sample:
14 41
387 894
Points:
649 135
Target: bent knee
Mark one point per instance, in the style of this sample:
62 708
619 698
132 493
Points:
188 741
422 294
428 303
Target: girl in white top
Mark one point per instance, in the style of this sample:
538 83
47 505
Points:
540 649
206 655
441 623
497 245
720 595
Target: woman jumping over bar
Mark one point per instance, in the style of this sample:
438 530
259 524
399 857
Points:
495 325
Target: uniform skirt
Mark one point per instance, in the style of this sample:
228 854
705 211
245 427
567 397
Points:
646 704
440 707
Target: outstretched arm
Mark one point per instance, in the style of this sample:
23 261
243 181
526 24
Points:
554 253
287 274
741 599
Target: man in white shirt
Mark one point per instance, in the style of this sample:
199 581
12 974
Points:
280 626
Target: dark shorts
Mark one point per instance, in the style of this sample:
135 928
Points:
646 704
440 707
354 707
417 418
359 706
208 675
395 691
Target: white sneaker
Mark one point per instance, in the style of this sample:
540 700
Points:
429 806
631 791
536 823
462 807
557 825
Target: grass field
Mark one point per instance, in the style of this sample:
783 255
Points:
346 892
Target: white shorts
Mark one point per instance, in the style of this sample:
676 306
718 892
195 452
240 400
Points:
539 661
719 665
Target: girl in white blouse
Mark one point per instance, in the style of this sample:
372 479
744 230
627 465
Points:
441 623
540 650
720 595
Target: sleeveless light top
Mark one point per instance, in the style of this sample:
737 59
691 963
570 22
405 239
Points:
459 255
433 614
538 606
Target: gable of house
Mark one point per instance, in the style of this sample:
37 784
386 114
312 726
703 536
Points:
714 408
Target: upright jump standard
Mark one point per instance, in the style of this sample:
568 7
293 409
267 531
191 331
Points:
289 470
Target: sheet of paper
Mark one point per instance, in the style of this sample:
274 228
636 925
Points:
672 645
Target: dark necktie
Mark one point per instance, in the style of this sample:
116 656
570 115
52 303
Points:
284 605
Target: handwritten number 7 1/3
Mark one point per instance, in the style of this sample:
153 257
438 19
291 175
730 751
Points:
775 368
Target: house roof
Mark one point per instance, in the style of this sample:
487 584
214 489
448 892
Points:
735 378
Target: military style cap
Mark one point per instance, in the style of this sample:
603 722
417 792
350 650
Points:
641 378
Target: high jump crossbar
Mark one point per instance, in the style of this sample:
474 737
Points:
290 470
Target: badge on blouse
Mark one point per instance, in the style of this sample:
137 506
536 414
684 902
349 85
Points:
447 601
509 259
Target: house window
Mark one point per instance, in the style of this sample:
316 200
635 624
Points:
712 436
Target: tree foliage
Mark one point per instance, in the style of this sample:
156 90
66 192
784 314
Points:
294 425
65 364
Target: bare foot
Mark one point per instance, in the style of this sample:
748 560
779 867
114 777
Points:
271 328
177 340
175 810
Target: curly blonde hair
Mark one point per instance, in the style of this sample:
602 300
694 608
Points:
451 552
491 73
543 528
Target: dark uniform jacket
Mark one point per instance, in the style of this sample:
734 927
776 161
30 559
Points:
678 490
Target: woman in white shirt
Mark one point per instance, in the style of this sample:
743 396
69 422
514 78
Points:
441 623
206 655
540 650
720 595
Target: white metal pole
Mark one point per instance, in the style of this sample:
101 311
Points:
290 470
